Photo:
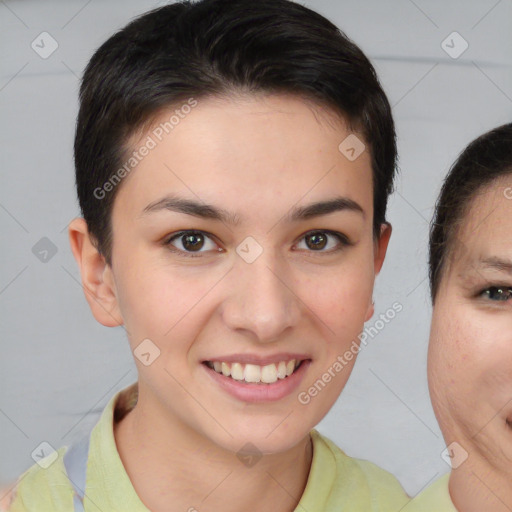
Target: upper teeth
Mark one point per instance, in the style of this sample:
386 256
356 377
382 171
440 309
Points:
255 373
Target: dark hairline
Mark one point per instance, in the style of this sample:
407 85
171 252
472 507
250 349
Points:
442 237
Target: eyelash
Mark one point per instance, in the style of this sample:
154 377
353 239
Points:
344 242
495 288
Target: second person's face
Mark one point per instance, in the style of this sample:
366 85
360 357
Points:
470 354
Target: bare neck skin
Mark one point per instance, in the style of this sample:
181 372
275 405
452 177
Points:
476 486
189 472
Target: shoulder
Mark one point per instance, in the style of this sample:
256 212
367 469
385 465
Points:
44 486
366 481
435 497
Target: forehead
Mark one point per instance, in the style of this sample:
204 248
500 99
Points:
251 151
489 213
485 230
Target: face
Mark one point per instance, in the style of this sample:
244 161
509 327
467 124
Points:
470 354
247 291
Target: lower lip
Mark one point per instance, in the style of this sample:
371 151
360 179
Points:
248 392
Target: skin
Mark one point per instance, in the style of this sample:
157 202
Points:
470 375
257 156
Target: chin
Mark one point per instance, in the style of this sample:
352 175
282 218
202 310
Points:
265 437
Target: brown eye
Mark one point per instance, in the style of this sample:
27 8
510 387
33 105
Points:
191 242
317 241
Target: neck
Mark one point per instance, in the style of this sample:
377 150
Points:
171 466
477 486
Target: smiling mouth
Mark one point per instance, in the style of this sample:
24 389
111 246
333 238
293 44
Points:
253 373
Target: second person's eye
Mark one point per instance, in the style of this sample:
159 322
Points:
497 293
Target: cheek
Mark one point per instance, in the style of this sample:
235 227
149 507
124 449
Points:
342 299
447 367
451 352
154 299
469 358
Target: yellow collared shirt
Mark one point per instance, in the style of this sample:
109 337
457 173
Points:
336 482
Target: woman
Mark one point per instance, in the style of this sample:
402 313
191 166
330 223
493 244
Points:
470 354
240 266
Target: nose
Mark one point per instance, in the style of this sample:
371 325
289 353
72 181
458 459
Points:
261 299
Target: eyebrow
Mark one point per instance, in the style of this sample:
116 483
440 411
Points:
494 263
206 211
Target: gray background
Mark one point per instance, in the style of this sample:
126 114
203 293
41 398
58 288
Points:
59 367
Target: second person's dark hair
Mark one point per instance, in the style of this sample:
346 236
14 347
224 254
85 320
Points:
213 48
486 159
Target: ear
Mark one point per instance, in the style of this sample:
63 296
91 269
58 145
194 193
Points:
97 276
381 247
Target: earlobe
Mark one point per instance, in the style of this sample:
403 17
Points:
97 278
370 312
